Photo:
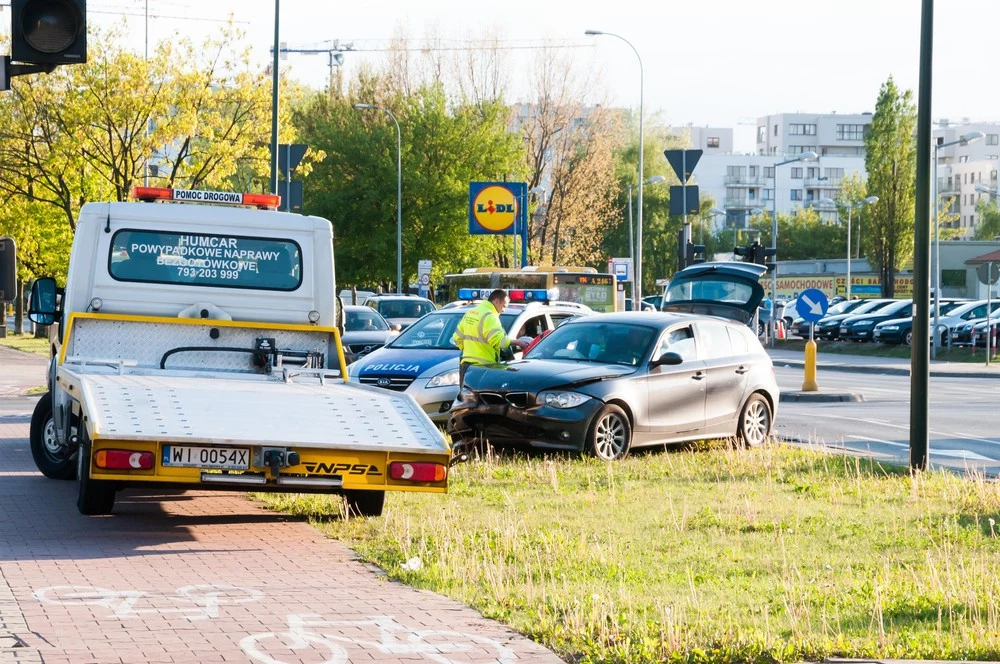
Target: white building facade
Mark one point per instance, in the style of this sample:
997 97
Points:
960 168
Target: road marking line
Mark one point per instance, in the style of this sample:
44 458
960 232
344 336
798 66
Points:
960 453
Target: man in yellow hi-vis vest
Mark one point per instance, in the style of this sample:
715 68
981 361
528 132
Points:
480 336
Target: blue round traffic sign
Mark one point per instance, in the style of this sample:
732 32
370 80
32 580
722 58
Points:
812 305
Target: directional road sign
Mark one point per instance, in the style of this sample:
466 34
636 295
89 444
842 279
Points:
812 305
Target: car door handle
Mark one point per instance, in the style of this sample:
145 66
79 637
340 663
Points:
698 375
742 370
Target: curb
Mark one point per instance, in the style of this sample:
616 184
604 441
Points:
820 397
887 371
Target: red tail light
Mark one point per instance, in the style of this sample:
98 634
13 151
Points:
123 460
417 471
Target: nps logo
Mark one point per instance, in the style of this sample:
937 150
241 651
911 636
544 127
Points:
495 209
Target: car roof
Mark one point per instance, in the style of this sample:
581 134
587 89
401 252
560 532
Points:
655 318
396 296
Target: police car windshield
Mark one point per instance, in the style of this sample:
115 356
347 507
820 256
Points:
365 321
200 259
434 331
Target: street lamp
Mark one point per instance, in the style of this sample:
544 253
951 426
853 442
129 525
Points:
805 156
965 139
399 192
631 241
637 285
871 200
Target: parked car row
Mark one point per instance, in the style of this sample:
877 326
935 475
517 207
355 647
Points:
890 321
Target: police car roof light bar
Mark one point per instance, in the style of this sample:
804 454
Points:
533 295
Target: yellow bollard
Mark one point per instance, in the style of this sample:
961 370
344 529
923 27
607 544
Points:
809 384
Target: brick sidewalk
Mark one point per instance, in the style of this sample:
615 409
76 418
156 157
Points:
206 577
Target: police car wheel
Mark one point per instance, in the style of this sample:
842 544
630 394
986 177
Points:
364 503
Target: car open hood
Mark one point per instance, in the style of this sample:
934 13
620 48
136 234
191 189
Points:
535 375
727 289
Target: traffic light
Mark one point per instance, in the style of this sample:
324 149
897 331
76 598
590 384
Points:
49 32
767 258
681 252
694 253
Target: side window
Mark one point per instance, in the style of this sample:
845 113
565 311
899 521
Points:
738 340
531 327
715 340
978 312
679 340
561 317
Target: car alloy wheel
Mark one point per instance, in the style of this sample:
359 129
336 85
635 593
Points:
755 421
908 338
610 434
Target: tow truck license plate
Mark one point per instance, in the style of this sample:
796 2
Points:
221 458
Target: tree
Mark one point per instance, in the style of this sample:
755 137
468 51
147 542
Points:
988 227
571 150
445 145
890 160
804 235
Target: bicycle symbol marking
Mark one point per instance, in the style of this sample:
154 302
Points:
309 631
197 602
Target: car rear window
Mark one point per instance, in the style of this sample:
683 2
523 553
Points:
201 259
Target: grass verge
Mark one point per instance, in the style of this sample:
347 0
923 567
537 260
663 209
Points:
27 343
707 555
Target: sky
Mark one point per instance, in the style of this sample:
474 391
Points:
719 63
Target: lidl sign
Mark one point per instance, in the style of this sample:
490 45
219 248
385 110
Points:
497 208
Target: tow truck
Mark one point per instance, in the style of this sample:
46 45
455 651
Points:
197 346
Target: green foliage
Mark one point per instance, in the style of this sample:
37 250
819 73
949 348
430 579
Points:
709 554
802 235
988 227
444 147
890 160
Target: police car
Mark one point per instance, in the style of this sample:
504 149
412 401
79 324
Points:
423 360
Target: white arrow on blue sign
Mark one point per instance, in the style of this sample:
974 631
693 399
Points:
812 305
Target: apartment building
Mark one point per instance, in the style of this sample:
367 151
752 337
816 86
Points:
961 168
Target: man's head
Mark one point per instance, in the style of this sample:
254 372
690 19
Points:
499 299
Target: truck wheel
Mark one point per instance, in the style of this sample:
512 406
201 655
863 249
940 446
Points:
96 496
365 503
53 458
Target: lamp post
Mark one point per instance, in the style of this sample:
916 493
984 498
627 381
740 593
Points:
805 156
967 138
871 200
631 241
637 263
399 192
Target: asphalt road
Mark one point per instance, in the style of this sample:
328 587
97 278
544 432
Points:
962 419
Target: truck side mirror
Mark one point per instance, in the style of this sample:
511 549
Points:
668 359
42 302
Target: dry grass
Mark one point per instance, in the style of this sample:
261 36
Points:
704 555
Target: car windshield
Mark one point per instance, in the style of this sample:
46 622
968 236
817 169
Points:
365 320
404 308
436 331
602 343
872 305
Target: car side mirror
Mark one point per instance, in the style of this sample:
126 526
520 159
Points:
668 359
42 301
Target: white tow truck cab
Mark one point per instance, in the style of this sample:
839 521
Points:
198 348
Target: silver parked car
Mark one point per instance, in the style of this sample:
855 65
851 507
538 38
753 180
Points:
364 331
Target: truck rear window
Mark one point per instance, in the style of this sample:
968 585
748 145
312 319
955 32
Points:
199 259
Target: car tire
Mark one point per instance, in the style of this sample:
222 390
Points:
908 338
95 497
610 435
365 503
54 460
754 426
